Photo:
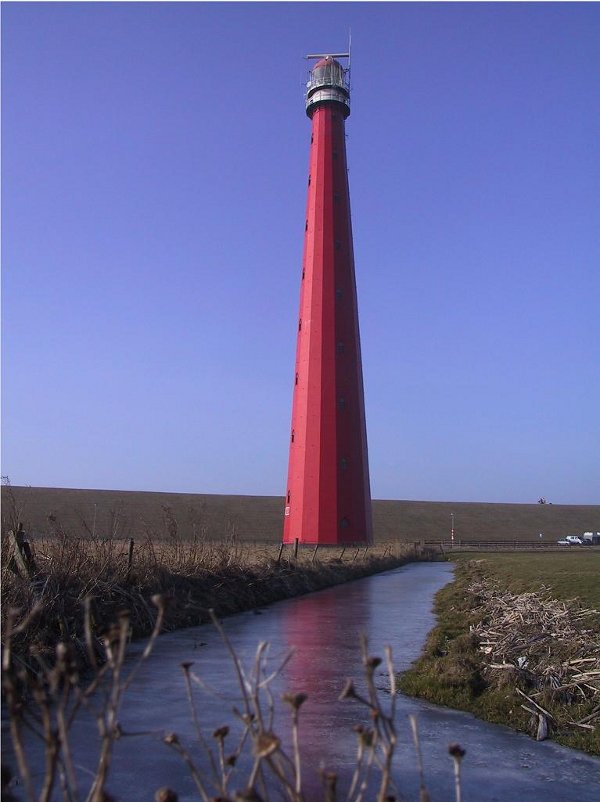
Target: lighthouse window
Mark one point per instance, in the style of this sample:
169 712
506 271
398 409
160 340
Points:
302 274
299 325
288 497
341 403
338 293
311 139
344 523
339 348
336 197
292 438
296 382
306 226
343 463
338 244
335 155
308 180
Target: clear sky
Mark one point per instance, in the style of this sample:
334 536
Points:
154 177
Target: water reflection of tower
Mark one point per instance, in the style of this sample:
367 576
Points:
316 630
328 491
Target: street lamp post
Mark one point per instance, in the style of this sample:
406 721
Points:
452 529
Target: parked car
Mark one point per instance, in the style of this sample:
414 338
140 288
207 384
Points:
562 542
574 540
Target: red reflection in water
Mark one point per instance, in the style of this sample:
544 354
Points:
325 637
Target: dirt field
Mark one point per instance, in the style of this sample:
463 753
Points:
123 514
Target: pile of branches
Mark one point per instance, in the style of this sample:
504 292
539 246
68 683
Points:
548 647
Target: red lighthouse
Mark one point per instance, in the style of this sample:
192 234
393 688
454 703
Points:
328 497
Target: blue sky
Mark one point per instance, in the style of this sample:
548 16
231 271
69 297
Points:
154 160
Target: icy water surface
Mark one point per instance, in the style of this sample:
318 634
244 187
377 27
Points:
324 631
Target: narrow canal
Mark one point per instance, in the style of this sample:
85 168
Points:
324 631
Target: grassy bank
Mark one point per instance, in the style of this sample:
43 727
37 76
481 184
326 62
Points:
122 514
508 675
193 577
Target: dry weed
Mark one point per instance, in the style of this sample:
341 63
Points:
247 762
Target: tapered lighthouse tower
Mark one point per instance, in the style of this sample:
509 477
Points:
328 497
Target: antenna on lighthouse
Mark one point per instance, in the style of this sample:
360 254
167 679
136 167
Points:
327 55
349 49
349 46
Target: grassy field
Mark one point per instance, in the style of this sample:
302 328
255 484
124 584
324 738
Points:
571 574
452 669
121 514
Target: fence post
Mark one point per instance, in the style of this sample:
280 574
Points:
280 551
342 554
129 559
19 556
295 548
314 554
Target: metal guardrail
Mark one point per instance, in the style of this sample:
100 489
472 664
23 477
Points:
506 545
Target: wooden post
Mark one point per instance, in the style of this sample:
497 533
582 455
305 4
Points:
20 560
129 559
280 551
314 554
28 556
295 548
355 554
342 554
